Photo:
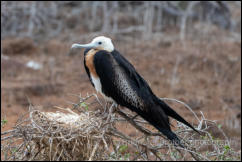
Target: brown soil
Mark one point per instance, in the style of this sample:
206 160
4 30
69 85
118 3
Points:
205 75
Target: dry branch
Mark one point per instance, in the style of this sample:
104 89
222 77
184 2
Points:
91 135
41 20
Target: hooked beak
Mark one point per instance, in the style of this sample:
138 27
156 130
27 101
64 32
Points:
80 46
90 45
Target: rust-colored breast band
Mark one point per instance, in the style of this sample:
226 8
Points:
90 62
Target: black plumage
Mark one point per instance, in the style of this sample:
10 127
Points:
121 82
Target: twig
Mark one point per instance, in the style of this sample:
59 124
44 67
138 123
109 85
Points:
189 108
53 140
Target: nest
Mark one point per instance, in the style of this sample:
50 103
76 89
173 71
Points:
91 135
67 136
62 136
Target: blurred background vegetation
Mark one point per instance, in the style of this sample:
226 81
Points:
190 51
45 20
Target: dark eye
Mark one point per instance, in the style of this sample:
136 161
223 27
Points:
99 42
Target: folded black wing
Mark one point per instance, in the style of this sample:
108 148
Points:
113 66
120 81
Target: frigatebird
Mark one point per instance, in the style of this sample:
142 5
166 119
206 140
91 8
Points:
117 80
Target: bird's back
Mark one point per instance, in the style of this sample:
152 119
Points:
120 81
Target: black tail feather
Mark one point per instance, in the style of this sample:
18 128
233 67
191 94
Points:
159 119
171 136
173 114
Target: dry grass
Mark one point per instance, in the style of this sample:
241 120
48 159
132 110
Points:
80 134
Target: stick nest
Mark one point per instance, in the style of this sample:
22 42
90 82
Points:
91 135
61 136
66 136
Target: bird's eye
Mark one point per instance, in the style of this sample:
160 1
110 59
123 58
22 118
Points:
99 42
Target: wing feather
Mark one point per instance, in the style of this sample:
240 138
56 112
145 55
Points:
109 67
116 74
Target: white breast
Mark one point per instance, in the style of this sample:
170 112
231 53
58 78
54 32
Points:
97 84
98 87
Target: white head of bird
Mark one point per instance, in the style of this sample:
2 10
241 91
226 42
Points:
98 43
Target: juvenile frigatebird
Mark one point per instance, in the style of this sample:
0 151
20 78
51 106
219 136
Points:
118 81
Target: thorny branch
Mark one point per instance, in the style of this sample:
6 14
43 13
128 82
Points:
94 135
